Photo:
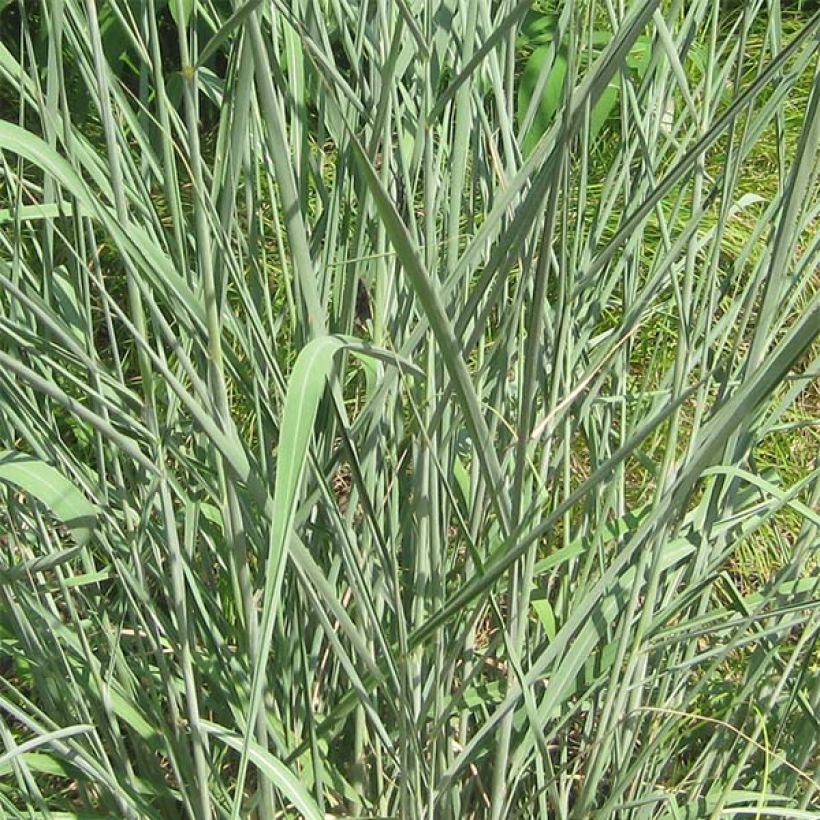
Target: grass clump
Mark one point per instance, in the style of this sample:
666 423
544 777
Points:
368 451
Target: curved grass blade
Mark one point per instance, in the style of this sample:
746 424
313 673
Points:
54 490
270 767
307 384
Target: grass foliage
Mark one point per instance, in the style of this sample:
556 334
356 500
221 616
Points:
381 439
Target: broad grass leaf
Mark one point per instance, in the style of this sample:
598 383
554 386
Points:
543 33
29 212
270 767
43 740
39 762
768 488
68 303
483 695
181 10
52 489
41 564
313 367
88 578
307 383
550 96
543 609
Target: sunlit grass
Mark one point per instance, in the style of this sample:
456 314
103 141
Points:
543 545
